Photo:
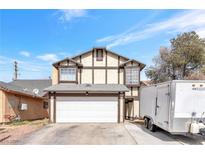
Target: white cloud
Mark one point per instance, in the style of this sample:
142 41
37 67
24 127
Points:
25 53
48 57
28 68
68 15
186 21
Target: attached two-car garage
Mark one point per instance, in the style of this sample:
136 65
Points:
86 103
87 109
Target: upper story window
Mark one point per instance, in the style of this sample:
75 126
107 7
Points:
132 75
99 54
67 74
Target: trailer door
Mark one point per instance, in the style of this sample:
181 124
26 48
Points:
162 105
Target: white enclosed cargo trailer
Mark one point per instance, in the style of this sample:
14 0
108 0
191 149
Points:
176 106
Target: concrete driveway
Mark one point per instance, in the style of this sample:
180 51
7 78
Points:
90 134
160 137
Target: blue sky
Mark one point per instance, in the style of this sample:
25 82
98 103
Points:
37 38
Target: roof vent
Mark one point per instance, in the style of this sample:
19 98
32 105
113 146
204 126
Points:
35 91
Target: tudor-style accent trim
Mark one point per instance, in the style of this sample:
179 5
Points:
76 75
61 94
57 64
100 67
118 116
80 71
126 58
136 98
124 107
118 70
54 101
124 76
141 65
105 66
93 66
49 97
139 100
131 89
132 102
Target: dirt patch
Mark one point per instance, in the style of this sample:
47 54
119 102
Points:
13 132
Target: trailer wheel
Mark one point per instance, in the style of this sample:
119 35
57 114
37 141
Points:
151 126
146 121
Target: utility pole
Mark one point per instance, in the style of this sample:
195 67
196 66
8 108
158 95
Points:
15 77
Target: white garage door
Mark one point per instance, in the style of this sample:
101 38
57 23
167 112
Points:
87 109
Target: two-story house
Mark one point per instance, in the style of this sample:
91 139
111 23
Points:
95 86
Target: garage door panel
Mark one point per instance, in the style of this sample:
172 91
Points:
87 110
85 105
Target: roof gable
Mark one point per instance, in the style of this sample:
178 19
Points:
91 50
135 61
128 60
56 64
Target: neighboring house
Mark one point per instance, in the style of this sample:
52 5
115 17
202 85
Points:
23 99
96 86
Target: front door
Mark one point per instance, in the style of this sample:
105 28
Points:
129 109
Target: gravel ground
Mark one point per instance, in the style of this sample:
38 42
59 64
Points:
10 134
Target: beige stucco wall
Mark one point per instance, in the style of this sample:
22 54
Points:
54 75
122 60
77 59
128 93
121 76
86 59
99 76
86 76
135 91
10 107
112 60
112 76
132 64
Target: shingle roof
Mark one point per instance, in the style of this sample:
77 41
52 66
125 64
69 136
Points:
87 88
30 85
13 88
